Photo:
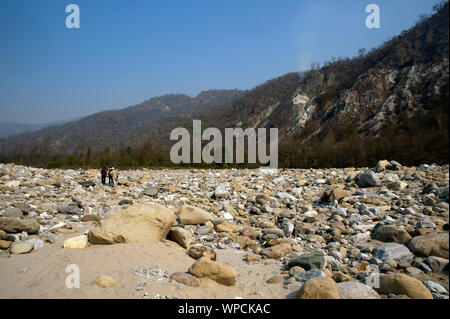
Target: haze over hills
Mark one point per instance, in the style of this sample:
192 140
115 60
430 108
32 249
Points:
7 129
389 102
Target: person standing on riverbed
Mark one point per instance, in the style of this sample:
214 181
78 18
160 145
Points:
104 172
111 174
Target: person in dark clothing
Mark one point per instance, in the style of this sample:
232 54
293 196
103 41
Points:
104 172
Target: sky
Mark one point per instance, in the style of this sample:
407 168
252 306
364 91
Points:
127 51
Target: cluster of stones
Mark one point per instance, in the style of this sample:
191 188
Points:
377 232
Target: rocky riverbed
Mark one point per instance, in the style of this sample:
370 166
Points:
378 232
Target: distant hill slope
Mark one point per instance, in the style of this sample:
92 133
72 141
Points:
7 129
391 102
129 127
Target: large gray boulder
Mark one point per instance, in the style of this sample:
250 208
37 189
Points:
356 290
392 251
314 260
368 179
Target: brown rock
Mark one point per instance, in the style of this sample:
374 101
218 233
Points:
340 277
277 251
295 270
105 282
319 288
78 242
335 192
252 257
389 233
199 251
21 247
190 215
275 280
403 284
180 236
227 227
4 244
243 241
249 232
17 225
186 279
430 245
90 218
136 224
205 268
64 231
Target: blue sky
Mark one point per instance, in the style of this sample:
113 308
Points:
127 51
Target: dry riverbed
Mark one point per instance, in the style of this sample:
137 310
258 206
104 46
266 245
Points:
303 233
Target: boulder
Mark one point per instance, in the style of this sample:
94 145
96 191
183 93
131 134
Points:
4 244
277 251
25 208
435 287
180 236
126 202
401 284
437 264
21 248
206 268
319 288
368 179
340 277
389 233
381 166
90 218
199 251
335 192
185 278
275 280
249 232
221 191
398 185
151 191
356 290
17 225
13 212
227 227
68 209
392 251
87 183
204 229
78 242
430 245
190 215
77 201
104 281
314 260
136 224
